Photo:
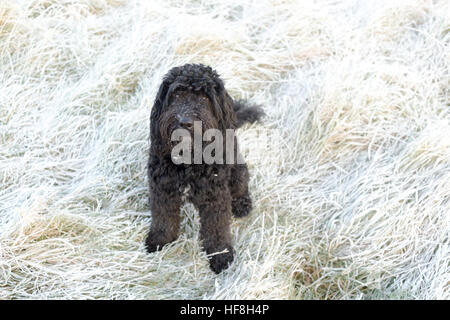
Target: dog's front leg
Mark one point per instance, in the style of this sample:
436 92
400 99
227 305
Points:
215 218
165 225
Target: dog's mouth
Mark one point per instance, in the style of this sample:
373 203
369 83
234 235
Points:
185 140
181 149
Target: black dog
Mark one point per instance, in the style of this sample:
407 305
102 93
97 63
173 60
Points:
190 93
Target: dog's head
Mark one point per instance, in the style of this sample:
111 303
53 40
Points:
190 93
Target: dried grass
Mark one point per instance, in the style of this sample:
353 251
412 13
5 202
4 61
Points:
350 171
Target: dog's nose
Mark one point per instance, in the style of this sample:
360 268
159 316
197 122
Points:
186 123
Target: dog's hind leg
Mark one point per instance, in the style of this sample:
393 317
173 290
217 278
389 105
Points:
241 202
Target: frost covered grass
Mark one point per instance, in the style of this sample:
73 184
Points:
350 172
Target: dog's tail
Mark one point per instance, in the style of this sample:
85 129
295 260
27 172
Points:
246 113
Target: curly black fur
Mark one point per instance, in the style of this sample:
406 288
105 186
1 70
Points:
196 93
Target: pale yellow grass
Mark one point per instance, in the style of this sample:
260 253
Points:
350 172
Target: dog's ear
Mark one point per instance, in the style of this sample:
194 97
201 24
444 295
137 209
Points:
229 117
158 106
223 106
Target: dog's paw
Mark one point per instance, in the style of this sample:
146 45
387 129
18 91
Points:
221 261
154 242
241 206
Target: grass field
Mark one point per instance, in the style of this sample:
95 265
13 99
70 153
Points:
350 171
